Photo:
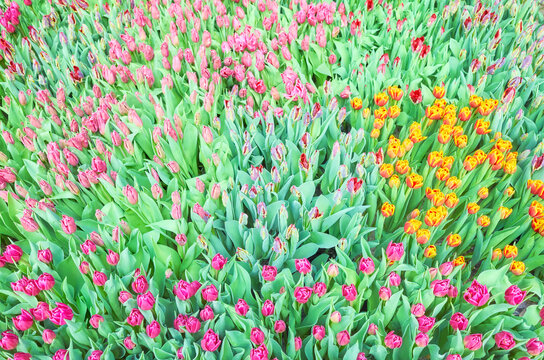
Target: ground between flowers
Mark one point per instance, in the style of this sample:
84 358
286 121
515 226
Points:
262 179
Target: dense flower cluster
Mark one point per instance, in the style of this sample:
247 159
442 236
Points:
271 179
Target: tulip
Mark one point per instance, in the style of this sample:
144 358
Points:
534 347
473 342
256 336
129 344
513 295
504 340
241 307
9 340
392 340
153 329
343 338
422 340
318 332
280 326
48 336
210 341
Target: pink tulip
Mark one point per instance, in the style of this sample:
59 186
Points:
476 294
256 336
99 278
384 293
534 347
269 273
343 338
422 339
473 342
210 341
241 307
514 296
96 320
24 321
392 341
418 310
504 340
318 332
9 340
218 262
48 336
268 308
153 329
280 326
146 301
68 224
129 344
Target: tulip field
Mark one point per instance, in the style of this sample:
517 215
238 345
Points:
271 179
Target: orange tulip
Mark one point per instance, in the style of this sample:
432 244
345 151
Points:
495 157
510 251
408 144
356 103
464 114
470 163
430 193
414 214
453 183
394 181
460 141
483 221
438 199
380 113
510 167
443 174
496 255
386 170
536 210
366 113
480 155
447 162
402 166
538 225
509 191
473 208
517 267
434 112
434 159
381 99
449 119
411 226
378 123
451 200
395 92
459 261
536 187
505 212
394 112
430 251
482 127
457 131
435 216
388 209
375 133
453 240
483 193
414 181
439 92
475 101
441 103
487 107
503 145
423 235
